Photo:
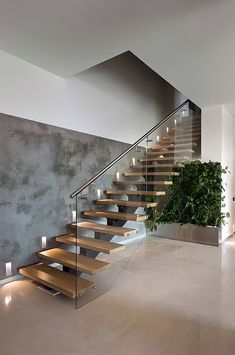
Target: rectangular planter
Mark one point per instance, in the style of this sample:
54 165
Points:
190 233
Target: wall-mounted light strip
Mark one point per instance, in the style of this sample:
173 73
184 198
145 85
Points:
74 216
44 242
98 193
8 268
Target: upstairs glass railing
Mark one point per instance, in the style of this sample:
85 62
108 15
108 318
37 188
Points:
112 208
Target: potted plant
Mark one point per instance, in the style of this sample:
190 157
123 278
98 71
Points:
192 211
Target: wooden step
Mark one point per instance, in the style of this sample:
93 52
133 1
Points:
188 126
99 245
139 183
187 129
156 173
67 258
178 140
116 215
161 159
105 229
185 135
63 282
170 152
114 202
171 146
135 192
189 123
156 166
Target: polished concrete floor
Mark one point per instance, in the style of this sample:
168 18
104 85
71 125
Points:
170 298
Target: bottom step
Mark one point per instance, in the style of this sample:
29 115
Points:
57 280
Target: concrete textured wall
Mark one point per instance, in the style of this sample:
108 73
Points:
40 165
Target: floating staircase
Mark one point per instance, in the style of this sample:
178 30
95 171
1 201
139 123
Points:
108 216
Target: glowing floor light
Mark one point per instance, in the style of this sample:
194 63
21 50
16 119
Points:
7 300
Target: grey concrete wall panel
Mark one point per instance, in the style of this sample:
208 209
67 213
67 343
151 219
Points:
40 165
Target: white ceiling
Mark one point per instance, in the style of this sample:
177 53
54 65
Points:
189 43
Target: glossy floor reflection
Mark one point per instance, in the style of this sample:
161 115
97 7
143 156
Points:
171 298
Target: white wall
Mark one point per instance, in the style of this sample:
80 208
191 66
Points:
30 92
228 159
211 133
116 99
218 144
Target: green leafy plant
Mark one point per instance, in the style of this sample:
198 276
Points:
195 197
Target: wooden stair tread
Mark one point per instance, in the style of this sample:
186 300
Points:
106 229
57 280
136 204
189 124
156 166
160 159
156 173
139 183
171 146
116 215
177 139
99 245
183 135
170 152
135 192
183 130
67 258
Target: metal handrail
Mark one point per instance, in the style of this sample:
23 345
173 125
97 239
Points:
96 176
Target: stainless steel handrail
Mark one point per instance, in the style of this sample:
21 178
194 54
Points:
96 176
